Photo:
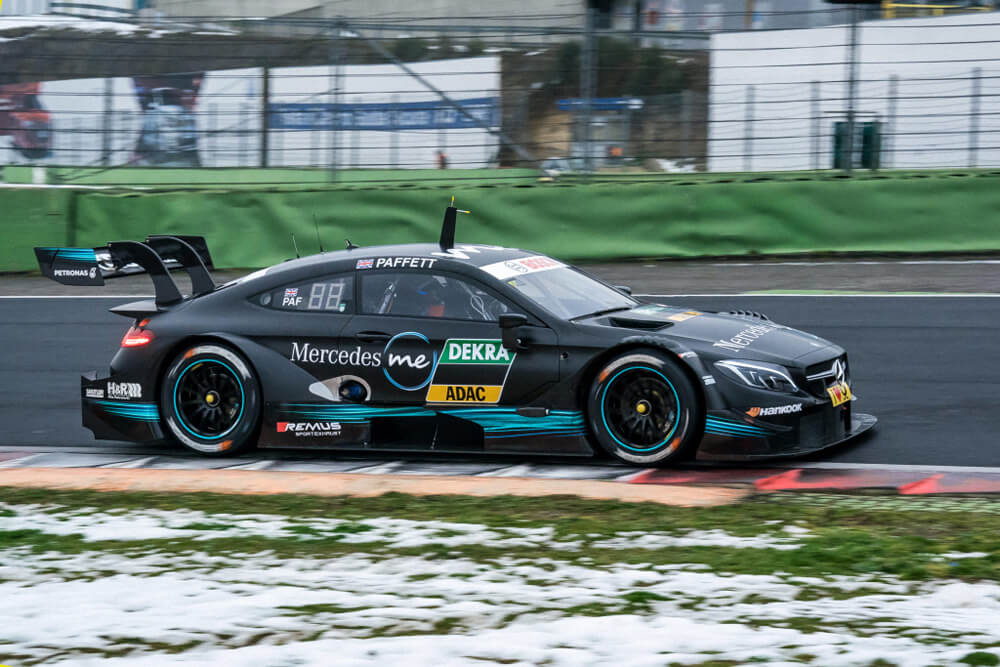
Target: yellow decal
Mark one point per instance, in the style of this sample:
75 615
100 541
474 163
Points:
839 393
680 317
463 393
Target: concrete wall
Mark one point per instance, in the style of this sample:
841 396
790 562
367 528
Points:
929 121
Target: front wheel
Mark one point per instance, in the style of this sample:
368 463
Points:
643 409
210 400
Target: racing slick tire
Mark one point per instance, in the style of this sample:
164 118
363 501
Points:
643 410
210 400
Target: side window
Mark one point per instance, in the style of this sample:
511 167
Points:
333 294
428 295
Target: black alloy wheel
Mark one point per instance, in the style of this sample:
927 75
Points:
643 409
210 400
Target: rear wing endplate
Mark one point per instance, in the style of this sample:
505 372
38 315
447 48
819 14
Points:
159 254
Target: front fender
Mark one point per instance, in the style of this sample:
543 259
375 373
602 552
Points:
690 360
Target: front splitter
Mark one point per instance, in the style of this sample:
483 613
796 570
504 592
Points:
861 423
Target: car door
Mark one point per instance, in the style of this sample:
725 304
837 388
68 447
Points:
438 342
303 326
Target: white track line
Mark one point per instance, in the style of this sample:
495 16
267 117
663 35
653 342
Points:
915 262
950 295
824 296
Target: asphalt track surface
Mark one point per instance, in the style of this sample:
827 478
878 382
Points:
927 367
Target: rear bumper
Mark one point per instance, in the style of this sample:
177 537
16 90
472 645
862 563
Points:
110 415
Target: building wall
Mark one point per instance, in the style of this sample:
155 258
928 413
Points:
23 7
799 90
228 119
442 12
717 15
36 7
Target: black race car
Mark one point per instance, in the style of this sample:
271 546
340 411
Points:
453 348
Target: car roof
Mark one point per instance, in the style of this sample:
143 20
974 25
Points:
463 254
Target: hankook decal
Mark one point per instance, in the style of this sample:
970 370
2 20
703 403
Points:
773 410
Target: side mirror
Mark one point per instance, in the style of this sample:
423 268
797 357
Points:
510 323
624 288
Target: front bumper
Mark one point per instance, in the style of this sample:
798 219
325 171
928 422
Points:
736 439
118 415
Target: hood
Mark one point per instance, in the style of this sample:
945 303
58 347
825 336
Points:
737 334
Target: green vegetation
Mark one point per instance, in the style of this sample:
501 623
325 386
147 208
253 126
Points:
909 543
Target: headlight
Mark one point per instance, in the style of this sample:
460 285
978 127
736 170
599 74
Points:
759 375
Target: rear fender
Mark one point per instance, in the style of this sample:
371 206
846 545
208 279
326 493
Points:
280 379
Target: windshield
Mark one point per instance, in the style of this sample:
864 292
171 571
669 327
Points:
559 289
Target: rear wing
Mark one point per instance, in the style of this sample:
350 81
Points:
156 256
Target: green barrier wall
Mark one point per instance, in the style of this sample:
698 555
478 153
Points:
253 228
32 217
239 177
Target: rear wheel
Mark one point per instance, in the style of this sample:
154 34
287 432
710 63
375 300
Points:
643 409
211 400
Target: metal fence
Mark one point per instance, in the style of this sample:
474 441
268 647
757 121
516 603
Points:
403 98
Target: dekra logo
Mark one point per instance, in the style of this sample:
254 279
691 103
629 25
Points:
459 351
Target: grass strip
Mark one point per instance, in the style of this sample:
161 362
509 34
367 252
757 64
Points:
843 540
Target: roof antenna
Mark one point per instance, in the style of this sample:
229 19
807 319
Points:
295 245
318 239
351 246
448 227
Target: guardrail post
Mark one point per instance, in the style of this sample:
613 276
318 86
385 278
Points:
355 138
394 134
265 114
106 123
244 130
852 89
213 143
974 105
889 134
748 131
333 57
588 62
816 125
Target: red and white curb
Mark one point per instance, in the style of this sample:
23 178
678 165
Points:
905 480
902 479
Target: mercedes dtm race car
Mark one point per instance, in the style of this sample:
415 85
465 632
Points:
452 348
